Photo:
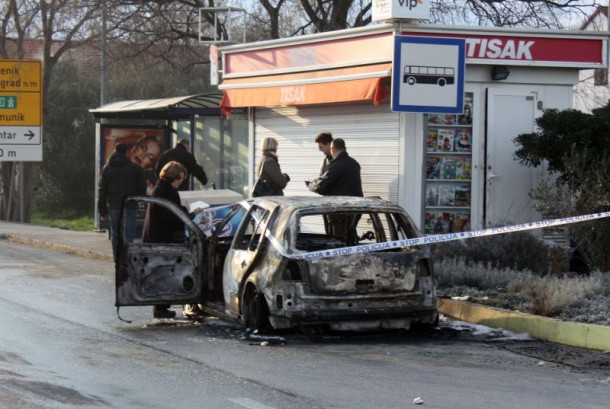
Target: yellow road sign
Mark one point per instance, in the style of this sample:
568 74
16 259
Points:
22 76
20 93
20 110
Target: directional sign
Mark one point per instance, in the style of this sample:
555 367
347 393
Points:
20 135
20 110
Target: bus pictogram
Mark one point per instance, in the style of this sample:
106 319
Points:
421 74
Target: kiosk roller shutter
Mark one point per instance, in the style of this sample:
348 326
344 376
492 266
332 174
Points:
371 135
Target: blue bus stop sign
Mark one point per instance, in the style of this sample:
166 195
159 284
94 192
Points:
428 74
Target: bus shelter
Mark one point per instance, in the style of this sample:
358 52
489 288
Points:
149 127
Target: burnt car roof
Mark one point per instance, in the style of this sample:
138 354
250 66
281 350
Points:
301 203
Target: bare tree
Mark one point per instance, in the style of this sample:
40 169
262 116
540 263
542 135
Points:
511 13
60 26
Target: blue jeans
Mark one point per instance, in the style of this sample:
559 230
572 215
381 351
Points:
130 218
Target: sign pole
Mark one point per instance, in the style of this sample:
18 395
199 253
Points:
21 191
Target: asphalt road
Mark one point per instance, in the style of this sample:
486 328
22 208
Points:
62 346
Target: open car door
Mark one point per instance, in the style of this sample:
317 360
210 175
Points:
160 273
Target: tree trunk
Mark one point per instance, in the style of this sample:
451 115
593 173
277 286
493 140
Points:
14 206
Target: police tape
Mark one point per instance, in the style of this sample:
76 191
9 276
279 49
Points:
438 238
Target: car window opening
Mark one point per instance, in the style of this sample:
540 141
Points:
335 230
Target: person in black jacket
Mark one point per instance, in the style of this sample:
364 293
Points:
120 178
341 178
181 153
342 175
160 224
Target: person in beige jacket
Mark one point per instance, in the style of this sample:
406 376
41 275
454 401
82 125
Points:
269 167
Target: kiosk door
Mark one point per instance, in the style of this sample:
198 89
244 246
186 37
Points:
510 112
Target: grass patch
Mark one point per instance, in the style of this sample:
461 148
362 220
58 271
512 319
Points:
82 223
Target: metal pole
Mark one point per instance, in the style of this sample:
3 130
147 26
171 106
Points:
9 208
21 192
103 61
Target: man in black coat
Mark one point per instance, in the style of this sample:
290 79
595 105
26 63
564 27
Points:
342 176
120 178
181 153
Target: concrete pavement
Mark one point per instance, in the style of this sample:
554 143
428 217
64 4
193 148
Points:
89 244
96 245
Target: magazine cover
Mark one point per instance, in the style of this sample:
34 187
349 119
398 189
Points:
448 168
466 117
462 196
438 223
433 167
432 195
463 140
446 195
435 119
431 140
462 168
448 119
461 222
433 223
445 140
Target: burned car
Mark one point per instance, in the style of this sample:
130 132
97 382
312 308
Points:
314 263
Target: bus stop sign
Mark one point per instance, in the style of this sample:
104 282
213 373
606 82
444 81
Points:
428 74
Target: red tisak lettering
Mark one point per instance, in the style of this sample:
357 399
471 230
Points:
499 48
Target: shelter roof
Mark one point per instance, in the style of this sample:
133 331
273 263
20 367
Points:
174 107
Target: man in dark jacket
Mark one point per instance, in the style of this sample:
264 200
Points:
120 178
324 140
181 153
342 176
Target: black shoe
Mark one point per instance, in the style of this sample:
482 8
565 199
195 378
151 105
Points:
164 314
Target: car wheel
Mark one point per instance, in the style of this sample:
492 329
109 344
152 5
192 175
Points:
256 313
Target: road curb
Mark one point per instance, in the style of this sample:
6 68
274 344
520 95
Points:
58 247
581 335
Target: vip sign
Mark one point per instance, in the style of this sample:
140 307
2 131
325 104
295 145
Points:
397 9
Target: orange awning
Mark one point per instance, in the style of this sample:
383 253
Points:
311 87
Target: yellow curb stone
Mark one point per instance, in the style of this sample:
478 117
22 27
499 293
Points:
581 335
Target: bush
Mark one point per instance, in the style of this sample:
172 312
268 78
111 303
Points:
550 295
521 251
510 270
456 272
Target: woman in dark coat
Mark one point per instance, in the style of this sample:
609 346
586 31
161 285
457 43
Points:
160 225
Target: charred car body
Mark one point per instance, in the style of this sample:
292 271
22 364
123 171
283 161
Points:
285 262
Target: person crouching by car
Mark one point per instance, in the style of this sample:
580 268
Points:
160 225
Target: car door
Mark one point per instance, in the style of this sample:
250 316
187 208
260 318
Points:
218 246
160 273
246 250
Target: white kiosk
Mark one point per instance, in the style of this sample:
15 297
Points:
451 171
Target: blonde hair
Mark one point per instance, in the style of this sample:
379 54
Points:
269 145
173 170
